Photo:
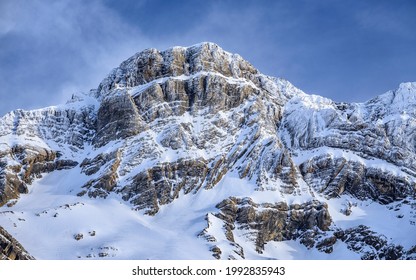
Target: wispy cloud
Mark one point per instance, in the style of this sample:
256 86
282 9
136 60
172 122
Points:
52 48
385 19
6 22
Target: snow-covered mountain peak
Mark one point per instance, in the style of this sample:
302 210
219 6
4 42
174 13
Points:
217 159
314 102
151 64
405 95
410 87
398 102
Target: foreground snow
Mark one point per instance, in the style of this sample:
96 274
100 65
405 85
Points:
47 219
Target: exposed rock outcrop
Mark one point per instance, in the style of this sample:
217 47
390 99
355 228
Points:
21 164
367 243
339 175
162 183
152 64
117 118
10 248
102 185
268 222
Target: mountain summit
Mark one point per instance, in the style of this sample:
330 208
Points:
192 153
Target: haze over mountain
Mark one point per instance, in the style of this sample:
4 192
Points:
192 153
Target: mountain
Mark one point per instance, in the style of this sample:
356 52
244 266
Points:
192 153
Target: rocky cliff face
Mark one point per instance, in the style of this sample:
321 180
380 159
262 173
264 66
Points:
10 248
40 141
283 166
265 222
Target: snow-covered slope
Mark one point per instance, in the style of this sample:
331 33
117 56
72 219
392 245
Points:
192 153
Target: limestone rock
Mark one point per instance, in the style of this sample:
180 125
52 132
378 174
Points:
370 244
21 164
78 236
272 222
117 118
343 176
161 184
11 249
152 64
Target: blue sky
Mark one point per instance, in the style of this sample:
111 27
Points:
345 50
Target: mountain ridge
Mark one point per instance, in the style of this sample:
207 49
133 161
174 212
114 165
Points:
259 164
